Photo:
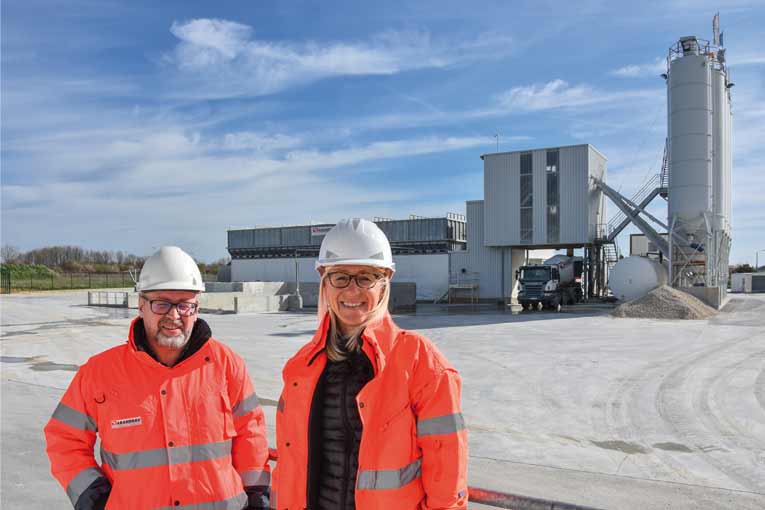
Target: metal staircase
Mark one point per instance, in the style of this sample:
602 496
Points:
610 254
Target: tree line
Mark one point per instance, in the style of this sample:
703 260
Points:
59 256
77 259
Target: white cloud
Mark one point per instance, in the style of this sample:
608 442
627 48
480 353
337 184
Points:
746 59
214 38
220 58
654 68
559 94
259 142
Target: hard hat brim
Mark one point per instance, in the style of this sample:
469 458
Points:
356 262
172 285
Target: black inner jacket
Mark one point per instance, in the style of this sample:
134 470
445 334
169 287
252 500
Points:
200 334
334 433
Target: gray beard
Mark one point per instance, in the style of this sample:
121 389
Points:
172 342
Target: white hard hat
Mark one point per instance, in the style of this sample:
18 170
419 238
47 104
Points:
356 242
170 269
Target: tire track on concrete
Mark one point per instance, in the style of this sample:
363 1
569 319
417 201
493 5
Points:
759 388
676 407
623 414
728 428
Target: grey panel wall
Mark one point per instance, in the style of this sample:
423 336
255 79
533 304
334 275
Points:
296 236
597 212
478 257
266 237
573 194
501 188
239 239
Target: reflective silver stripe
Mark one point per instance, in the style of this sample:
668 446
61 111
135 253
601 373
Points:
256 477
246 405
272 500
164 456
74 418
447 424
388 478
81 482
238 502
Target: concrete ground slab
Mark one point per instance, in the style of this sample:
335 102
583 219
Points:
578 406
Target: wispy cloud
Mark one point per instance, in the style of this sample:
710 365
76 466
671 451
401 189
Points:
230 61
654 68
259 142
558 94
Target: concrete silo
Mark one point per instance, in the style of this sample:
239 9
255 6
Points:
699 156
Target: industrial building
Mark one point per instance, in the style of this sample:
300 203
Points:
421 249
747 282
534 199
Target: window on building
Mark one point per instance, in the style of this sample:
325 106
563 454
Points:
527 198
553 198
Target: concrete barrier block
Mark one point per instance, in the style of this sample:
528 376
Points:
223 287
403 297
107 298
132 300
220 302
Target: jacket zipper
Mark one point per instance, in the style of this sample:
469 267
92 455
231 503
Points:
348 443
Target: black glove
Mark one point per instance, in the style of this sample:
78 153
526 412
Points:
95 496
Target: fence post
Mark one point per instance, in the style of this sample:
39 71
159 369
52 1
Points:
90 285
51 281
31 287
71 280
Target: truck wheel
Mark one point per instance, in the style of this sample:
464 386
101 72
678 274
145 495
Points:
556 306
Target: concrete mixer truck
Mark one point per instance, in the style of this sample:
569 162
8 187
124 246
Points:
555 282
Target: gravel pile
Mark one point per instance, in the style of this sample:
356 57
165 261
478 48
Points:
665 302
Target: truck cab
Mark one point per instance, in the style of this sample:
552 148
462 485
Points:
539 284
552 284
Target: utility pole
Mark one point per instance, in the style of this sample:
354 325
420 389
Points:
757 260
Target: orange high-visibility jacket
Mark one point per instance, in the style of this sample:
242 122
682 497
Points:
414 450
190 436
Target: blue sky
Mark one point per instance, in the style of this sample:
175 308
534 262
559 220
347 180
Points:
129 125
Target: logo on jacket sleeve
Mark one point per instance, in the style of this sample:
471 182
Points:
126 422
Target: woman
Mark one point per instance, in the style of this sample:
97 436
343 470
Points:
369 417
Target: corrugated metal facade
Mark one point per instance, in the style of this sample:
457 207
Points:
597 200
580 209
478 258
485 260
416 235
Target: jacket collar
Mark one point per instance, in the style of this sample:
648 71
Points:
137 341
378 337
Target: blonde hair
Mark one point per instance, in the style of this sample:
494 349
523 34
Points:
351 343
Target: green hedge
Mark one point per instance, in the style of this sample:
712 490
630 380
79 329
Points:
29 270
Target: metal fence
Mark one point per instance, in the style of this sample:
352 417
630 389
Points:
65 281
5 281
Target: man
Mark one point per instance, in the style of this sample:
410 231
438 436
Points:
179 420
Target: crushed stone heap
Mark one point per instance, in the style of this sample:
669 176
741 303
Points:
665 302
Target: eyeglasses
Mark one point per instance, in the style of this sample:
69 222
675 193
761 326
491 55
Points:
363 280
161 307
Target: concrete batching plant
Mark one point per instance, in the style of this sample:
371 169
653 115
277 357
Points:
696 174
